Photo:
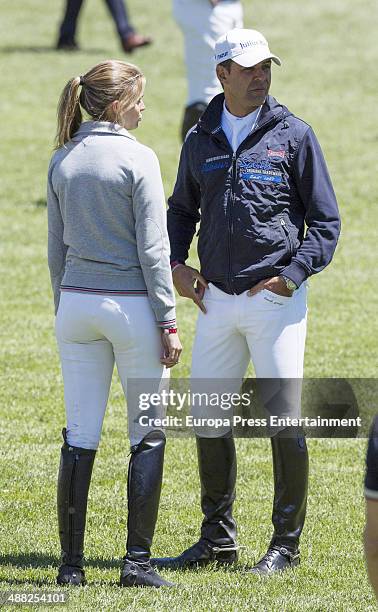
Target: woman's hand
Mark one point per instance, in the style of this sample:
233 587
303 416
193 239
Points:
171 348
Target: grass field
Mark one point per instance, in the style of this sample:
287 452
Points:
329 52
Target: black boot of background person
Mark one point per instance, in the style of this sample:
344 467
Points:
74 478
290 469
143 491
217 470
191 115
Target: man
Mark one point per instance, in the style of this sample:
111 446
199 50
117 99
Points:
371 496
253 174
202 22
130 40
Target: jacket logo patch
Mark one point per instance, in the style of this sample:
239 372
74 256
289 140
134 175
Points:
215 163
280 154
272 177
261 171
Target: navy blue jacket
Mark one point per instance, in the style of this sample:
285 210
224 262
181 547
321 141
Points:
253 205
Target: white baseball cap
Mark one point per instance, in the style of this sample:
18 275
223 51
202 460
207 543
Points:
245 47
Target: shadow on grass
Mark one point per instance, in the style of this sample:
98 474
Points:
45 49
27 560
41 203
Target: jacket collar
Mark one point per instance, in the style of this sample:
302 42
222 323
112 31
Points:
212 117
102 127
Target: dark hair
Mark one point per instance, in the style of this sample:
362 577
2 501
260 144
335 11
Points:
226 64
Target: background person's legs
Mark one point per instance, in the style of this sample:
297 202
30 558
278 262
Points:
201 25
68 26
118 11
130 39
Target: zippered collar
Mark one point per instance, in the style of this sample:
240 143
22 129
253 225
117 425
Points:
101 127
211 120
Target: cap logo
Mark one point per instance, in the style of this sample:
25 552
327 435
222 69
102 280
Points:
252 43
220 55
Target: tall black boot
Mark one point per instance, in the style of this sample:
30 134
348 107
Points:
217 470
143 489
74 478
191 115
290 469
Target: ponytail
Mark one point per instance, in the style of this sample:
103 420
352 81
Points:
69 112
103 84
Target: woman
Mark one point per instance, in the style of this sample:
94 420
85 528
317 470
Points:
108 255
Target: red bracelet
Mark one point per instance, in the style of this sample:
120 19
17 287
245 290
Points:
170 330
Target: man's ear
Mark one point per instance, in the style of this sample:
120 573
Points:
221 73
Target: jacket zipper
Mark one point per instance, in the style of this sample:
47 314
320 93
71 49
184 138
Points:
71 504
230 220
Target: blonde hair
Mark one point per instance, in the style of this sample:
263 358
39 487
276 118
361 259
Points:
103 84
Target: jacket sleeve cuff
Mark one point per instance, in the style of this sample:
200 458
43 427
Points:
296 272
166 317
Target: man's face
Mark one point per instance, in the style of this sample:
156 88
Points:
246 87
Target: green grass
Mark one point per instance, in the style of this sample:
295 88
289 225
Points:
329 51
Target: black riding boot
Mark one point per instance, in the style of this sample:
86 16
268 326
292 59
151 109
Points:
143 489
74 478
191 115
217 470
290 468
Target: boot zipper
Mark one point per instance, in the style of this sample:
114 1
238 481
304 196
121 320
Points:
71 504
128 499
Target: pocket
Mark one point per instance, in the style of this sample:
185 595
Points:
288 237
276 298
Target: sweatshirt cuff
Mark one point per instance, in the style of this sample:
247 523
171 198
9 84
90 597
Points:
296 272
166 317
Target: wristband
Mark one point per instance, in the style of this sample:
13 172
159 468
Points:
169 330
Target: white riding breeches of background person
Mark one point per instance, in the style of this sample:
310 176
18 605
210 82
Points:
202 24
94 331
266 328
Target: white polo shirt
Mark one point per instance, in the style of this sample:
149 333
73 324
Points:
238 128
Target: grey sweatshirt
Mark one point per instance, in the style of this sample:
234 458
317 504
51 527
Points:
107 218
